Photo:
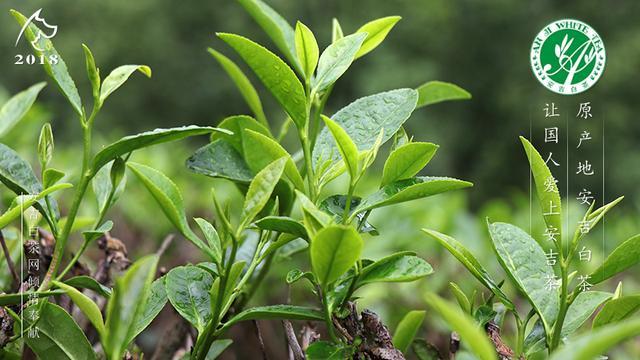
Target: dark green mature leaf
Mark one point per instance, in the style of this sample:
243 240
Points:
470 333
407 329
20 298
546 188
336 59
400 267
16 108
217 348
277 76
220 160
260 190
621 258
243 84
260 150
86 282
86 305
410 189
376 31
187 288
126 306
324 350
616 310
335 205
59 337
118 77
425 350
168 196
276 27
58 70
536 339
346 147
472 264
283 224
18 176
294 275
148 138
434 92
585 304
334 250
306 49
407 160
526 264
238 124
363 120
597 342
291 312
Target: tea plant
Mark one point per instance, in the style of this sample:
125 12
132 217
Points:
557 311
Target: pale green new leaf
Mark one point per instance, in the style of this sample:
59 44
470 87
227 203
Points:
56 70
347 148
25 201
275 74
212 237
334 250
243 84
118 77
260 190
616 310
336 30
466 258
434 92
470 333
306 49
93 73
45 145
407 160
93 235
376 31
291 312
407 329
220 160
585 304
335 60
237 125
621 258
17 107
400 267
526 264
462 298
86 305
152 307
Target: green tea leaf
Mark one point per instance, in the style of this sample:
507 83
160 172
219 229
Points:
21 298
335 60
23 202
363 120
93 73
333 251
126 306
407 160
407 329
336 30
279 79
410 189
546 188
152 307
536 339
168 196
283 224
290 312
102 185
585 304
466 258
335 206
51 176
616 310
260 190
463 300
220 160
314 219
621 258
248 92
275 26
59 337
260 150
294 275
212 237
324 350
17 107
86 282
306 49
95 234
425 350
347 148
57 70
470 333
434 92
217 347
188 291
130 143
526 264
376 31
596 342
119 76
237 125
400 267
86 305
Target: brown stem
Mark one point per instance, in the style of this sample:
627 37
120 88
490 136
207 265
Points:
292 340
260 340
7 255
165 244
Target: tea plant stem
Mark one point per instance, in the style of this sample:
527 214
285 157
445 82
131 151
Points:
328 316
347 205
521 327
315 123
309 165
564 305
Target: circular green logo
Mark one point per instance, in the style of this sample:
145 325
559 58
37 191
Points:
568 56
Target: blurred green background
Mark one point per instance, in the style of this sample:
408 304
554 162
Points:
482 46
